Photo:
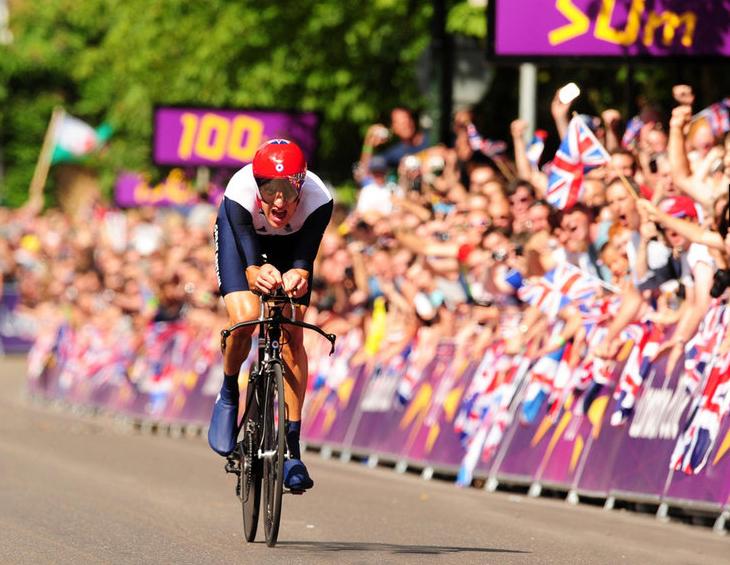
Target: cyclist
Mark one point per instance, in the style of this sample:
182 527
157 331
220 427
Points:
269 227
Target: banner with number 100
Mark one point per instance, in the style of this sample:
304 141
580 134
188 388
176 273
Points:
225 138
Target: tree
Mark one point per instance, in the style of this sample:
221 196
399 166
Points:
114 60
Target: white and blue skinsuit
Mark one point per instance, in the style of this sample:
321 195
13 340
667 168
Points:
243 237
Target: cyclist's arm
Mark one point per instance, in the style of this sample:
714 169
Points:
309 237
247 242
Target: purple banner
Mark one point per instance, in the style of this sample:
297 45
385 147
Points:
603 444
568 439
225 138
571 456
132 190
641 466
437 443
384 425
712 484
611 28
700 463
329 411
16 332
336 385
527 448
431 404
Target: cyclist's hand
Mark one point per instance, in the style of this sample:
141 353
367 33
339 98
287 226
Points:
268 279
295 283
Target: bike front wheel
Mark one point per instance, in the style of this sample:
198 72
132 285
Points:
274 448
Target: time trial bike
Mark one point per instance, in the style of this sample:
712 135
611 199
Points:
261 451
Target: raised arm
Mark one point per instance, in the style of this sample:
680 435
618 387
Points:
560 111
518 128
426 247
693 232
678 161
611 120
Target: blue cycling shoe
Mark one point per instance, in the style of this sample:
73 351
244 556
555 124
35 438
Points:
296 476
223 427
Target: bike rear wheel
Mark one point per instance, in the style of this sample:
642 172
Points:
251 467
274 446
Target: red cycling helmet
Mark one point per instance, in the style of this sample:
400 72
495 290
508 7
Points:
280 159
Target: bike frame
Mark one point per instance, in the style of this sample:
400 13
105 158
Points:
269 338
268 377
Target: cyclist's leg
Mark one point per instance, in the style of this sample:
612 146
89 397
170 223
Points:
242 306
296 475
297 368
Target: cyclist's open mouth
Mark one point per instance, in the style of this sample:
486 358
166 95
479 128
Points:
279 214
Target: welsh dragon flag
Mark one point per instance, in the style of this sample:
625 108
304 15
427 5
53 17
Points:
74 139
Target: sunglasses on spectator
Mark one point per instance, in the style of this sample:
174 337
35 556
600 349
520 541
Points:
473 225
521 199
270 189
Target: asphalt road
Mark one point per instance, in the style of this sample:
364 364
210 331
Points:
83 490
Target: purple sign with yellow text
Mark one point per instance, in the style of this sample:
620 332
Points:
132 190
611 28
225 138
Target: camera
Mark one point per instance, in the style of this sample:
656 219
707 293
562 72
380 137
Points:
382 133
653 167
720 282
412 163
499 254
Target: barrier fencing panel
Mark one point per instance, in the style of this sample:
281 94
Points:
442 406
16 330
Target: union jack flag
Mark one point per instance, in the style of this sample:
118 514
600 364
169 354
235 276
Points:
579 151
540 384
635 371
418 356
700 350
597 312
536 147
563 383
566 284
490 147
631 135
696 442
490 416
475 403
717 116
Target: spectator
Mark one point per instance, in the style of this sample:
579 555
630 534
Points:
521 195
376 192
410 139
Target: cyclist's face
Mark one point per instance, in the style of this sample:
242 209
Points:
279 201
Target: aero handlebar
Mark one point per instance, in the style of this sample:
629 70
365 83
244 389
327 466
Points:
278 319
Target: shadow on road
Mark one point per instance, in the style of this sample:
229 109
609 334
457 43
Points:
390 548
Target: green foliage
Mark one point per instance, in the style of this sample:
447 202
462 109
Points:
114 60
467 19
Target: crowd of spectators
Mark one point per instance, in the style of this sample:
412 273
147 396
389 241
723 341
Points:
443 236
115 269
450 236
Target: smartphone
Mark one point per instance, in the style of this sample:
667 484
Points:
653 166
568 93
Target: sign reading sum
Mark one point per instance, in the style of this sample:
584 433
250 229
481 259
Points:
610 28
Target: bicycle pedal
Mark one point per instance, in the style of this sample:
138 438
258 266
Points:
298 492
